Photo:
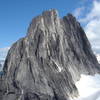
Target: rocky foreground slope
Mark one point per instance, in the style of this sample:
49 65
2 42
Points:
46 63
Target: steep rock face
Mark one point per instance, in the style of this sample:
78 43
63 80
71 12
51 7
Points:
46 63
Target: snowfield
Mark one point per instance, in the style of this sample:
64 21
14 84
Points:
89 87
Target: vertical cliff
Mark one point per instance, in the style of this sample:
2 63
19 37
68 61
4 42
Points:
46 63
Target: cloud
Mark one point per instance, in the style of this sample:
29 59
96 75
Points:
94 12
78 11
91 22
93 29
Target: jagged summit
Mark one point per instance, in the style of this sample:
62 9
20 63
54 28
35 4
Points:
48 18
51 11
46 63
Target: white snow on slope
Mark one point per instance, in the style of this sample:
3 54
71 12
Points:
98 57
89 87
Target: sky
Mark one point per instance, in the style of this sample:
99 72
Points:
16 15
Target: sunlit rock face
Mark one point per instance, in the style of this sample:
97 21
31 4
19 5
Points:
46 63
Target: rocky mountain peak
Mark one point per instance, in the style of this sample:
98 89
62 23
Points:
46 63
46 19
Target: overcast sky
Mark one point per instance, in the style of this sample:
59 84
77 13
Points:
15 16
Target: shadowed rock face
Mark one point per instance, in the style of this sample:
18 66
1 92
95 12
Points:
46 63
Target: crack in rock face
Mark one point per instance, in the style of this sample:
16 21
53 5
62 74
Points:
46 63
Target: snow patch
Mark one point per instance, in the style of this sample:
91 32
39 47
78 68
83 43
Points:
60 69
98 57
